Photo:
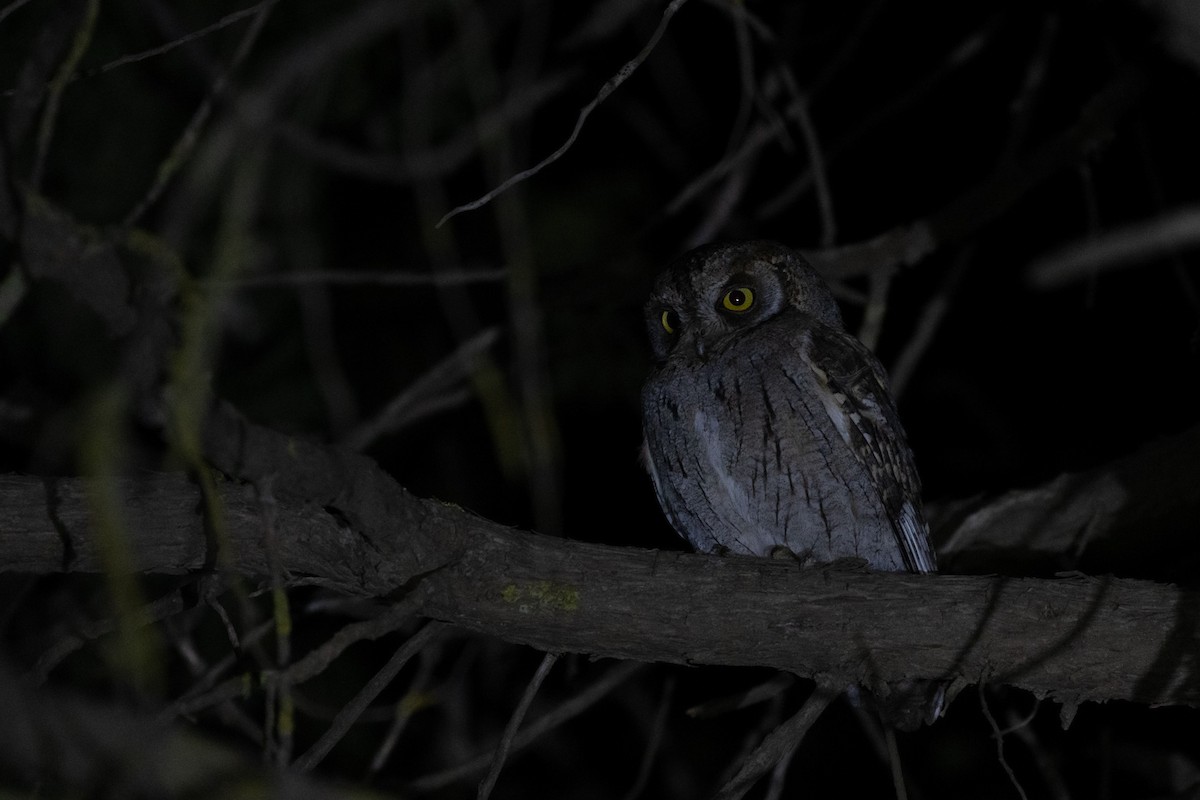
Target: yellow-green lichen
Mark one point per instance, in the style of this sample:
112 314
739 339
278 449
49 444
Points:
541 596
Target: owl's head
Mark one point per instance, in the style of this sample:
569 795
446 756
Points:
714 291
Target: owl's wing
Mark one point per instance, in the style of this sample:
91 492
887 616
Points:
861 407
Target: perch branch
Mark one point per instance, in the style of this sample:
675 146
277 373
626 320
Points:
344 524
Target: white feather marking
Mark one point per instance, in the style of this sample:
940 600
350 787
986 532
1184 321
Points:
915 539
832 401
709 434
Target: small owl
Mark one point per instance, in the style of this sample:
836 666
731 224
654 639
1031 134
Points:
766 424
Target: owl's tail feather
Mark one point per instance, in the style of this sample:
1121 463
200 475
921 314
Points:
907 705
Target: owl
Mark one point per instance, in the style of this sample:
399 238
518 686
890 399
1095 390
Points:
766 424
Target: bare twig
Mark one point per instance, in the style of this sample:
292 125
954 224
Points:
315 662
538 416
428 161
812 145
1022 105
779 776
764 691
722 208
83 38
998 735
423 394
10 8
514 722
348 715
202 694
932 314
778 745
745 60
280 713
759 136
657 727
223 22
897 769
563 713
12 292
361 278
166 606
971 46
183 147
1160 236
1042 756
907 244
605 90
489 382
416 698
876 307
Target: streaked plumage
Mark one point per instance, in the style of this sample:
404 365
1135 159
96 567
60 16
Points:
767 424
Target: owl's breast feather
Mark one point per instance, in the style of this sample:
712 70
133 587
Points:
751 450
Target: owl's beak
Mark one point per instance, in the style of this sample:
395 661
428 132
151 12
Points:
692 340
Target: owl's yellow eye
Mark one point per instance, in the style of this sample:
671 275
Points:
670 321
738 300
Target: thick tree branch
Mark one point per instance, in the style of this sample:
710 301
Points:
1136 516
1074 639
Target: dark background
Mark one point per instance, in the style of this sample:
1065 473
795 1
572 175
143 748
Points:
327 153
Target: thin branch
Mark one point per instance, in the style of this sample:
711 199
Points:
778 745
779 775
657 727
183 147
380 681
1042 756
897 769
223 22
202 694
722 206
361 278
316 661
426 161
998 735
10 8
79 45
816 158
759 136
563 713
514 722
166 606
767 690
907 244
876 308
538 416
967 49
1163 235
416 698
605 90
422 394
928 322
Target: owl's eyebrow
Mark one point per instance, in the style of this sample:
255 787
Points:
739 279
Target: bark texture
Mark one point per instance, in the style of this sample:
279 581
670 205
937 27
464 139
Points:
337 520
